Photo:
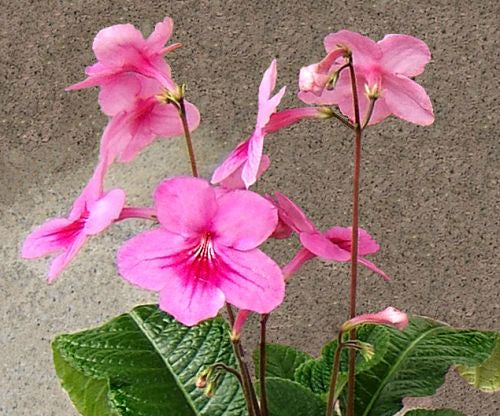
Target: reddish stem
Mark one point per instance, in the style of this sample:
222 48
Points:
354 250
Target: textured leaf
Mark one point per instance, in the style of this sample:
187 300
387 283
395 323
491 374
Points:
433 412
89 395
486 376
315 374
286 398
151 362
281 360
415 364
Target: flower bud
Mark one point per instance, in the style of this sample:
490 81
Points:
389 316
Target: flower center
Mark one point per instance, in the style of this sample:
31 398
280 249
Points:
205 250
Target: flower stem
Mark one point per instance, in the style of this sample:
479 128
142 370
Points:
369 112
355 226
187 135
333 379
262 364
343 120
248 390
230 370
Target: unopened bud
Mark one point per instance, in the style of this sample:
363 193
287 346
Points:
210 389
372 92
367 350
201 381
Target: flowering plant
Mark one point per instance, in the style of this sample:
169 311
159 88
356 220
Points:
202 255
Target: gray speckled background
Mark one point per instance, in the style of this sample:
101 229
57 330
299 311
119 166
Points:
429 195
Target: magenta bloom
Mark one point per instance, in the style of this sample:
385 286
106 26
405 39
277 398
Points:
383 68
335 244
121 49
205 251
92 212
389 316
138 117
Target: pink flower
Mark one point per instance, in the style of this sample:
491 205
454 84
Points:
92 212
248 154
239 322
138 116
246 163
205 251
383 69
389 316
335 244
122 49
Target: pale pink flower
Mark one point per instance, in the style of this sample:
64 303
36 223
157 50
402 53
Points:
389 316
246 162
383 69
121 49
335 244
92 212
205 251
138 117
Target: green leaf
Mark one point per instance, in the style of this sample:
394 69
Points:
315 374
433 412
150 362
416 363
281 360
486 376
89 395
286 398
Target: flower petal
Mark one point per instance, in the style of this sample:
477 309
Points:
118 44
407 100
244 220
249 279
404 54
164 119
268 83
185 205
232 163
234 180
49 237
191 301
150 259
292 215
61 261
119 93
160 35
323 247
104 211
254 157
364 50
372 267
342 236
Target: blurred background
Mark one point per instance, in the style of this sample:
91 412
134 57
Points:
430 196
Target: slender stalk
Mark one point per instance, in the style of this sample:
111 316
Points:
344 121
333 379
369 112
262 365
248 391
230 314
187 135
355 226
230 370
